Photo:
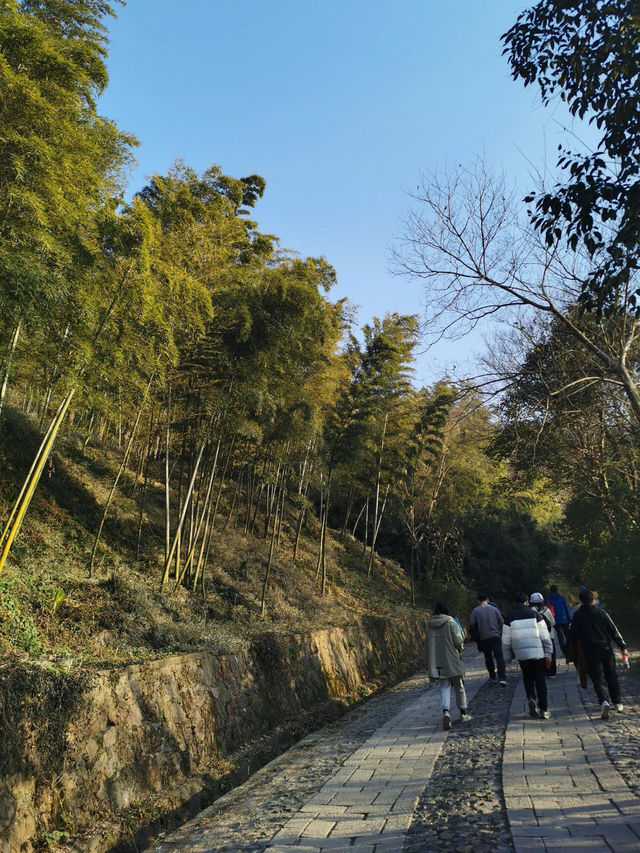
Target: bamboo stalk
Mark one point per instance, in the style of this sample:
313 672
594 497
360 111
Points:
27 480
24 499
121 469
9 359
167 477
263 603
145 484
185 507
205 506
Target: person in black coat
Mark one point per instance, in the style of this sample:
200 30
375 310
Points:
594 629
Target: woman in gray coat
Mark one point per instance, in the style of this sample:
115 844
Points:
445 642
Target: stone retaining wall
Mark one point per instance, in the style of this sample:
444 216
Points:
77 750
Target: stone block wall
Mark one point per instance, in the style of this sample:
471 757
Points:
76 748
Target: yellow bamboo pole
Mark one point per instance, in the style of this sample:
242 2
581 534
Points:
200 520
183 514
27 479
22 504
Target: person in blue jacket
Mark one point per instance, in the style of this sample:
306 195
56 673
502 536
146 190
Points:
563 615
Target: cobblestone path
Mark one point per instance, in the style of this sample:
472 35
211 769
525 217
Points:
387 779
462 807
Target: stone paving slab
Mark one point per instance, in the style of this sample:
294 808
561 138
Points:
561 791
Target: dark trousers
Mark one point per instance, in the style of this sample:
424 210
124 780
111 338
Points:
601 666
492 649
561 631
553 669
535 683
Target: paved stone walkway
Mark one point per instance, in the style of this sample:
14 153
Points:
362 783
561 790
462 809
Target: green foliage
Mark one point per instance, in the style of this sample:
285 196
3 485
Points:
575 440
58 156
505 551
20 626
588 53
221 364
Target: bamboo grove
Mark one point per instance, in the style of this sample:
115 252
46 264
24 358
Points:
170 326
236 390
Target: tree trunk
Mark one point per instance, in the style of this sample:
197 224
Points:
413 585
204 512
376 529
263 603
355 526
236 495
144 485
303 511
185 507
377 502
366 530
323 538
167 476
222 480
87 437
205 544
255 511
8 361
282 500
343 529
123 465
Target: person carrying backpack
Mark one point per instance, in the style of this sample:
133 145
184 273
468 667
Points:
537 602
445 642
525 636
562 613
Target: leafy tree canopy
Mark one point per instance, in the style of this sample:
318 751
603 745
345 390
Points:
59 159
588 53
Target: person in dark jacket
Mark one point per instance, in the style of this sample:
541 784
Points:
594 629
562 615
525 636
486 626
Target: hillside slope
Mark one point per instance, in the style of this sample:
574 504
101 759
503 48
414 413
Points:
50 607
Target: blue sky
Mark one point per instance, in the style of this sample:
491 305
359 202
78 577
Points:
339 106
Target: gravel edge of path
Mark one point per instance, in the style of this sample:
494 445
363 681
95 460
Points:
620 736
462 809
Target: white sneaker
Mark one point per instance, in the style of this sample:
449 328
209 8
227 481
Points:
545 715
619 707
605 707
503 683
465 716
446 721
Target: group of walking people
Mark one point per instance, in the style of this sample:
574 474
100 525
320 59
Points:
532 633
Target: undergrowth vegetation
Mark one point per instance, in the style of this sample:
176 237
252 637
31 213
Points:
51 608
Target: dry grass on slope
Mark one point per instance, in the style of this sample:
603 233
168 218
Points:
50 608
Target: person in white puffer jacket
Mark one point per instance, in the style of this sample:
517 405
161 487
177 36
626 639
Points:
525 636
